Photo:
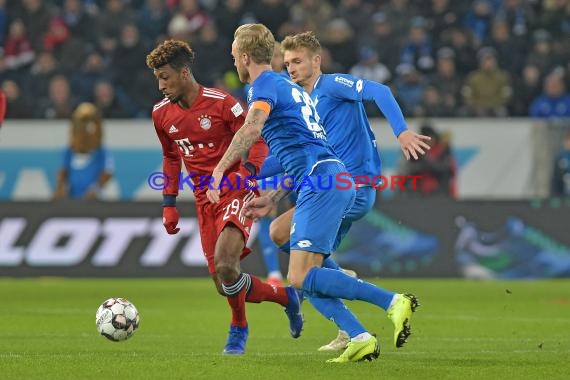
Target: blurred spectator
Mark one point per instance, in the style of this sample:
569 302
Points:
555 100
447 81
511 51
441 16
105 98
339 39
207 65
36 16
16 104
128 59
487 90
478 21
368 67
18 52
80 23
399 12
437 168
87 165
409 87
459 41
433 104
229 16
554 17
561 175
110 22
356 13
381 38
41 73
152 21
518 15
417 49
272 13
60 103
526 89
195 15
541 54
316 14
91 71
56 35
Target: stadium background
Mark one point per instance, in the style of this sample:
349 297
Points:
504 128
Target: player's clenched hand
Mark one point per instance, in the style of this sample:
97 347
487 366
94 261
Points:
413 143
213 193
257 208
170 219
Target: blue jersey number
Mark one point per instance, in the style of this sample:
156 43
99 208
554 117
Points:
309 112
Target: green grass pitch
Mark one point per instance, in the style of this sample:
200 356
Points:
462 330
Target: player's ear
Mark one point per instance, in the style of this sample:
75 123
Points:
317 59
185 73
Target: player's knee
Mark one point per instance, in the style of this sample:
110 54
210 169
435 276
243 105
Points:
296 279
277 235
227 272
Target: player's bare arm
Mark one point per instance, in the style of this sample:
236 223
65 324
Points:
242 141
412 143
261 206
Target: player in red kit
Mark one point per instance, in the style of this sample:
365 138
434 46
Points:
196 125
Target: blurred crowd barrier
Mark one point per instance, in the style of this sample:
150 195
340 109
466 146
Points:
496 158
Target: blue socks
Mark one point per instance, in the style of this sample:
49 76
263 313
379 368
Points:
335 284
333 309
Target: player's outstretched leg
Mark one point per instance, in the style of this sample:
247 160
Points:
336 284
400 313
340 342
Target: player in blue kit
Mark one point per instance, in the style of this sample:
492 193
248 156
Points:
338 99
283 114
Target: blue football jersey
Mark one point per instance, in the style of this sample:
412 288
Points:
292 131
338 100
84 170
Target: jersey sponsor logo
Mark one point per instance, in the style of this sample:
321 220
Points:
172 129
345 81
205 122
237 110
359 85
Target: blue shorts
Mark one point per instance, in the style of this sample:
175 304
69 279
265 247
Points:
364 201
319 212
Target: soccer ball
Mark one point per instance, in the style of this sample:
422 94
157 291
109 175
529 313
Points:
117 319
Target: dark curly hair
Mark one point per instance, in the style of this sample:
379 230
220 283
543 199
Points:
175 53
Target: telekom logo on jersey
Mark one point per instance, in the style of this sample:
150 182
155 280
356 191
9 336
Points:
340 181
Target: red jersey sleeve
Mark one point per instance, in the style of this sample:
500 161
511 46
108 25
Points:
171 161
235 116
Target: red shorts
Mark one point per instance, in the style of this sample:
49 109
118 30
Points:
213 218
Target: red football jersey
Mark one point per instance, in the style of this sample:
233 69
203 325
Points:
200 135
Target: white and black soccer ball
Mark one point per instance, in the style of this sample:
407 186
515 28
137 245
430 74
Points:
117 319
